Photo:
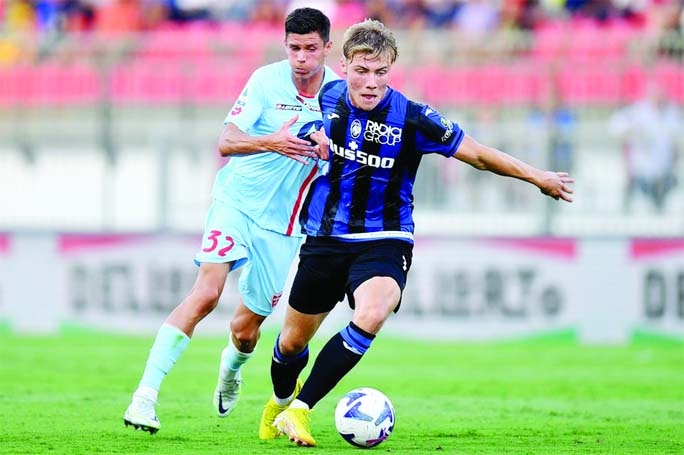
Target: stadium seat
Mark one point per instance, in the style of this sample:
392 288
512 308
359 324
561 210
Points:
14 83
217 81
178 42
586 85
143 83
440 86
513 84
549 41
670 76
633 83
61 85
589 42
49 84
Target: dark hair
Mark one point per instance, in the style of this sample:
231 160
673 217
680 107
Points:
308 20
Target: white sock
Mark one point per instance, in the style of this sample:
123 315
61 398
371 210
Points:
282 401
147 392
232 360
166 349
296 404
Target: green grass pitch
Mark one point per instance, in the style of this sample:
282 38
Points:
66 395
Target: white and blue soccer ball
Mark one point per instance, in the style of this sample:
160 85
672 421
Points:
364 417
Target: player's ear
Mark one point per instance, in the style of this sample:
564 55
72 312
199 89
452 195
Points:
343 65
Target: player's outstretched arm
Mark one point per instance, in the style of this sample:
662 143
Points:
234 141
485 158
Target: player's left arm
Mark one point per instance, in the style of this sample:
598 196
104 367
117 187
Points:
485 158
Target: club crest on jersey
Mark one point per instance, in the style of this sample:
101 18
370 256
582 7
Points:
356 128
382 133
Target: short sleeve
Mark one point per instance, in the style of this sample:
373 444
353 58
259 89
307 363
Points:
434 132
249 105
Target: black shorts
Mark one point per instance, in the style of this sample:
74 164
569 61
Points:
330 268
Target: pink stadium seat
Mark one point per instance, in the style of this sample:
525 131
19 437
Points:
143 83
583 85
49 84
633 83
175 42
501 85
252 45
670 76
451 86
588 42
550 41
14 85
217 82
511 85
60 85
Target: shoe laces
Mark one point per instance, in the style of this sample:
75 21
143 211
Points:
143 403
231 385
302 413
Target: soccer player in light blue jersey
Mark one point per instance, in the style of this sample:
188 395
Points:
358 216
252 221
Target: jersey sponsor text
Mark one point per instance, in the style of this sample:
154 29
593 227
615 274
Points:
362 157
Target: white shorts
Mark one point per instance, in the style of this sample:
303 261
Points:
230 235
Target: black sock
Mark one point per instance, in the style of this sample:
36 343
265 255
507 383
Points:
285 370
339 355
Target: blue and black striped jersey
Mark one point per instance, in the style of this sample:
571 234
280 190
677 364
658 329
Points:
366 189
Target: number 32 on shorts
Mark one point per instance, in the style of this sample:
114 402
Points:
217 240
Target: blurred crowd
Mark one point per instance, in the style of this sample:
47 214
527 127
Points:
67 16
647 97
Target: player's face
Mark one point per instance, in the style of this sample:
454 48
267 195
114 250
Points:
367 79
306 54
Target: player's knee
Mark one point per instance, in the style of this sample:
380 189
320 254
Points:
245 334
372 318
291 346
205 299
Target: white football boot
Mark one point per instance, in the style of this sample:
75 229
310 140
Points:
142 415
226 394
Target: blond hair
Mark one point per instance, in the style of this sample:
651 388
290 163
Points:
369 37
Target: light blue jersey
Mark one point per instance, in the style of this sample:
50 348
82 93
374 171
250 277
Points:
269 187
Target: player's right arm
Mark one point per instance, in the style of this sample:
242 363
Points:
234 141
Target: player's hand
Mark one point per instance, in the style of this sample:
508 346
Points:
284 143
321 139
557 185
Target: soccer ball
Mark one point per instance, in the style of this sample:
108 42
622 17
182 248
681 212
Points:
364 417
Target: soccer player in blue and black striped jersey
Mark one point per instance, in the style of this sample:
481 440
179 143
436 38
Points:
358 217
